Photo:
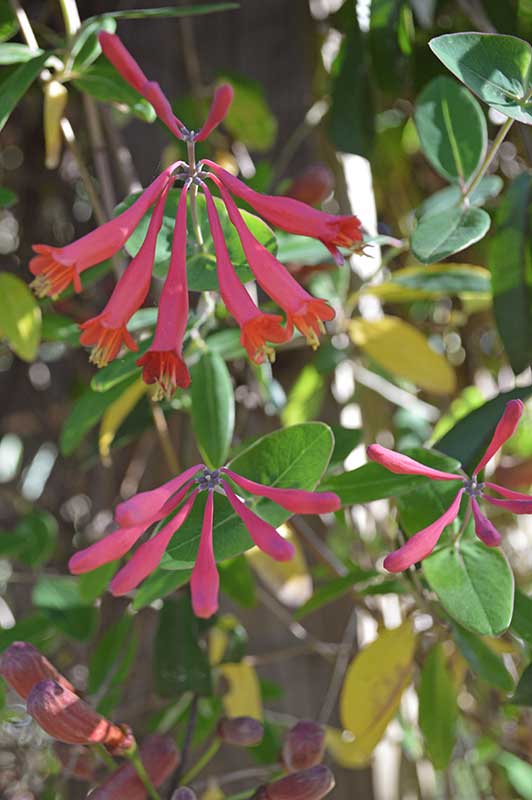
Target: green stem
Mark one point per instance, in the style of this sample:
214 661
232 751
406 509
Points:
70 13
191 150
488 158
463 526
100 750
136 761
202 762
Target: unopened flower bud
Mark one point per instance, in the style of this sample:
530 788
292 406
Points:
22 666
55 100
313 185
309 784
241 731
160 757
64 716
304 746
184 793
79 762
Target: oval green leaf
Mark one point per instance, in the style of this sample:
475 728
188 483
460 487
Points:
213 408
20 317
438 710
439 236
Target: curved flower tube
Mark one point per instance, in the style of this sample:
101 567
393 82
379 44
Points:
163 362
223 97
296 217
256 327
423 542
140 512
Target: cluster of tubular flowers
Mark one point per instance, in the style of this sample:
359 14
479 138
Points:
421 544
56 268
174 500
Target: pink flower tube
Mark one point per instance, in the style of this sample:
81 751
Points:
296 217
422 543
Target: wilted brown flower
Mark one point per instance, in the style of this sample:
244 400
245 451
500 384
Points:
309 784
22 666
160 757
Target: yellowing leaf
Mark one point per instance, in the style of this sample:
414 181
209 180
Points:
213 792
20 317
244 696
403 350
373 686
290 581
218 640
343 748
116 413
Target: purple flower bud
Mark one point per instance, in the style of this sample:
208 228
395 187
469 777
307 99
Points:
241 731
304 746
184 793
160 757
309 784
22 666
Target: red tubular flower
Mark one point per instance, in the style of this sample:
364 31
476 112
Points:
163 362
22 666
64 716
125 64
107 332
205 581
160 757
57 267
304 746
296 217
256 328
223 97
422 543
302 310
138 513
148 557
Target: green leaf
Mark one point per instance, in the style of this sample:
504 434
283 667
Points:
60 600
482 660
441 235
159 584
93 584
305 397
7 197
101 81
8 22
180 661
237 581
523 693
518 772
170 11
108 652
489 187
294 458
86 48
345 441
350 130
59 328
36 629
522 617
201 264
85 413
452 129
20 316
468 439
14 53
475 585
250 119
438 710
497 68
374 482
34 538
213 408
510 262
333 590
388 57
17 84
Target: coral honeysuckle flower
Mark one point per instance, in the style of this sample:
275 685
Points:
56 268
108 332
163 362
296 217
422 543
307 313
136 515
256 328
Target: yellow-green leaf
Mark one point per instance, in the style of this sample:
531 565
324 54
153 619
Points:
372 690
20 317
244 697
213 792
404 351
116 413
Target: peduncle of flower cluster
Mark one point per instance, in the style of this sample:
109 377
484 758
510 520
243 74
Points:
163 364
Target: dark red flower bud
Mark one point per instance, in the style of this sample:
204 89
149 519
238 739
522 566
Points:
64 716
309 784
160 757
184 793
242 731
313 185
79 762
304 746
22 666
